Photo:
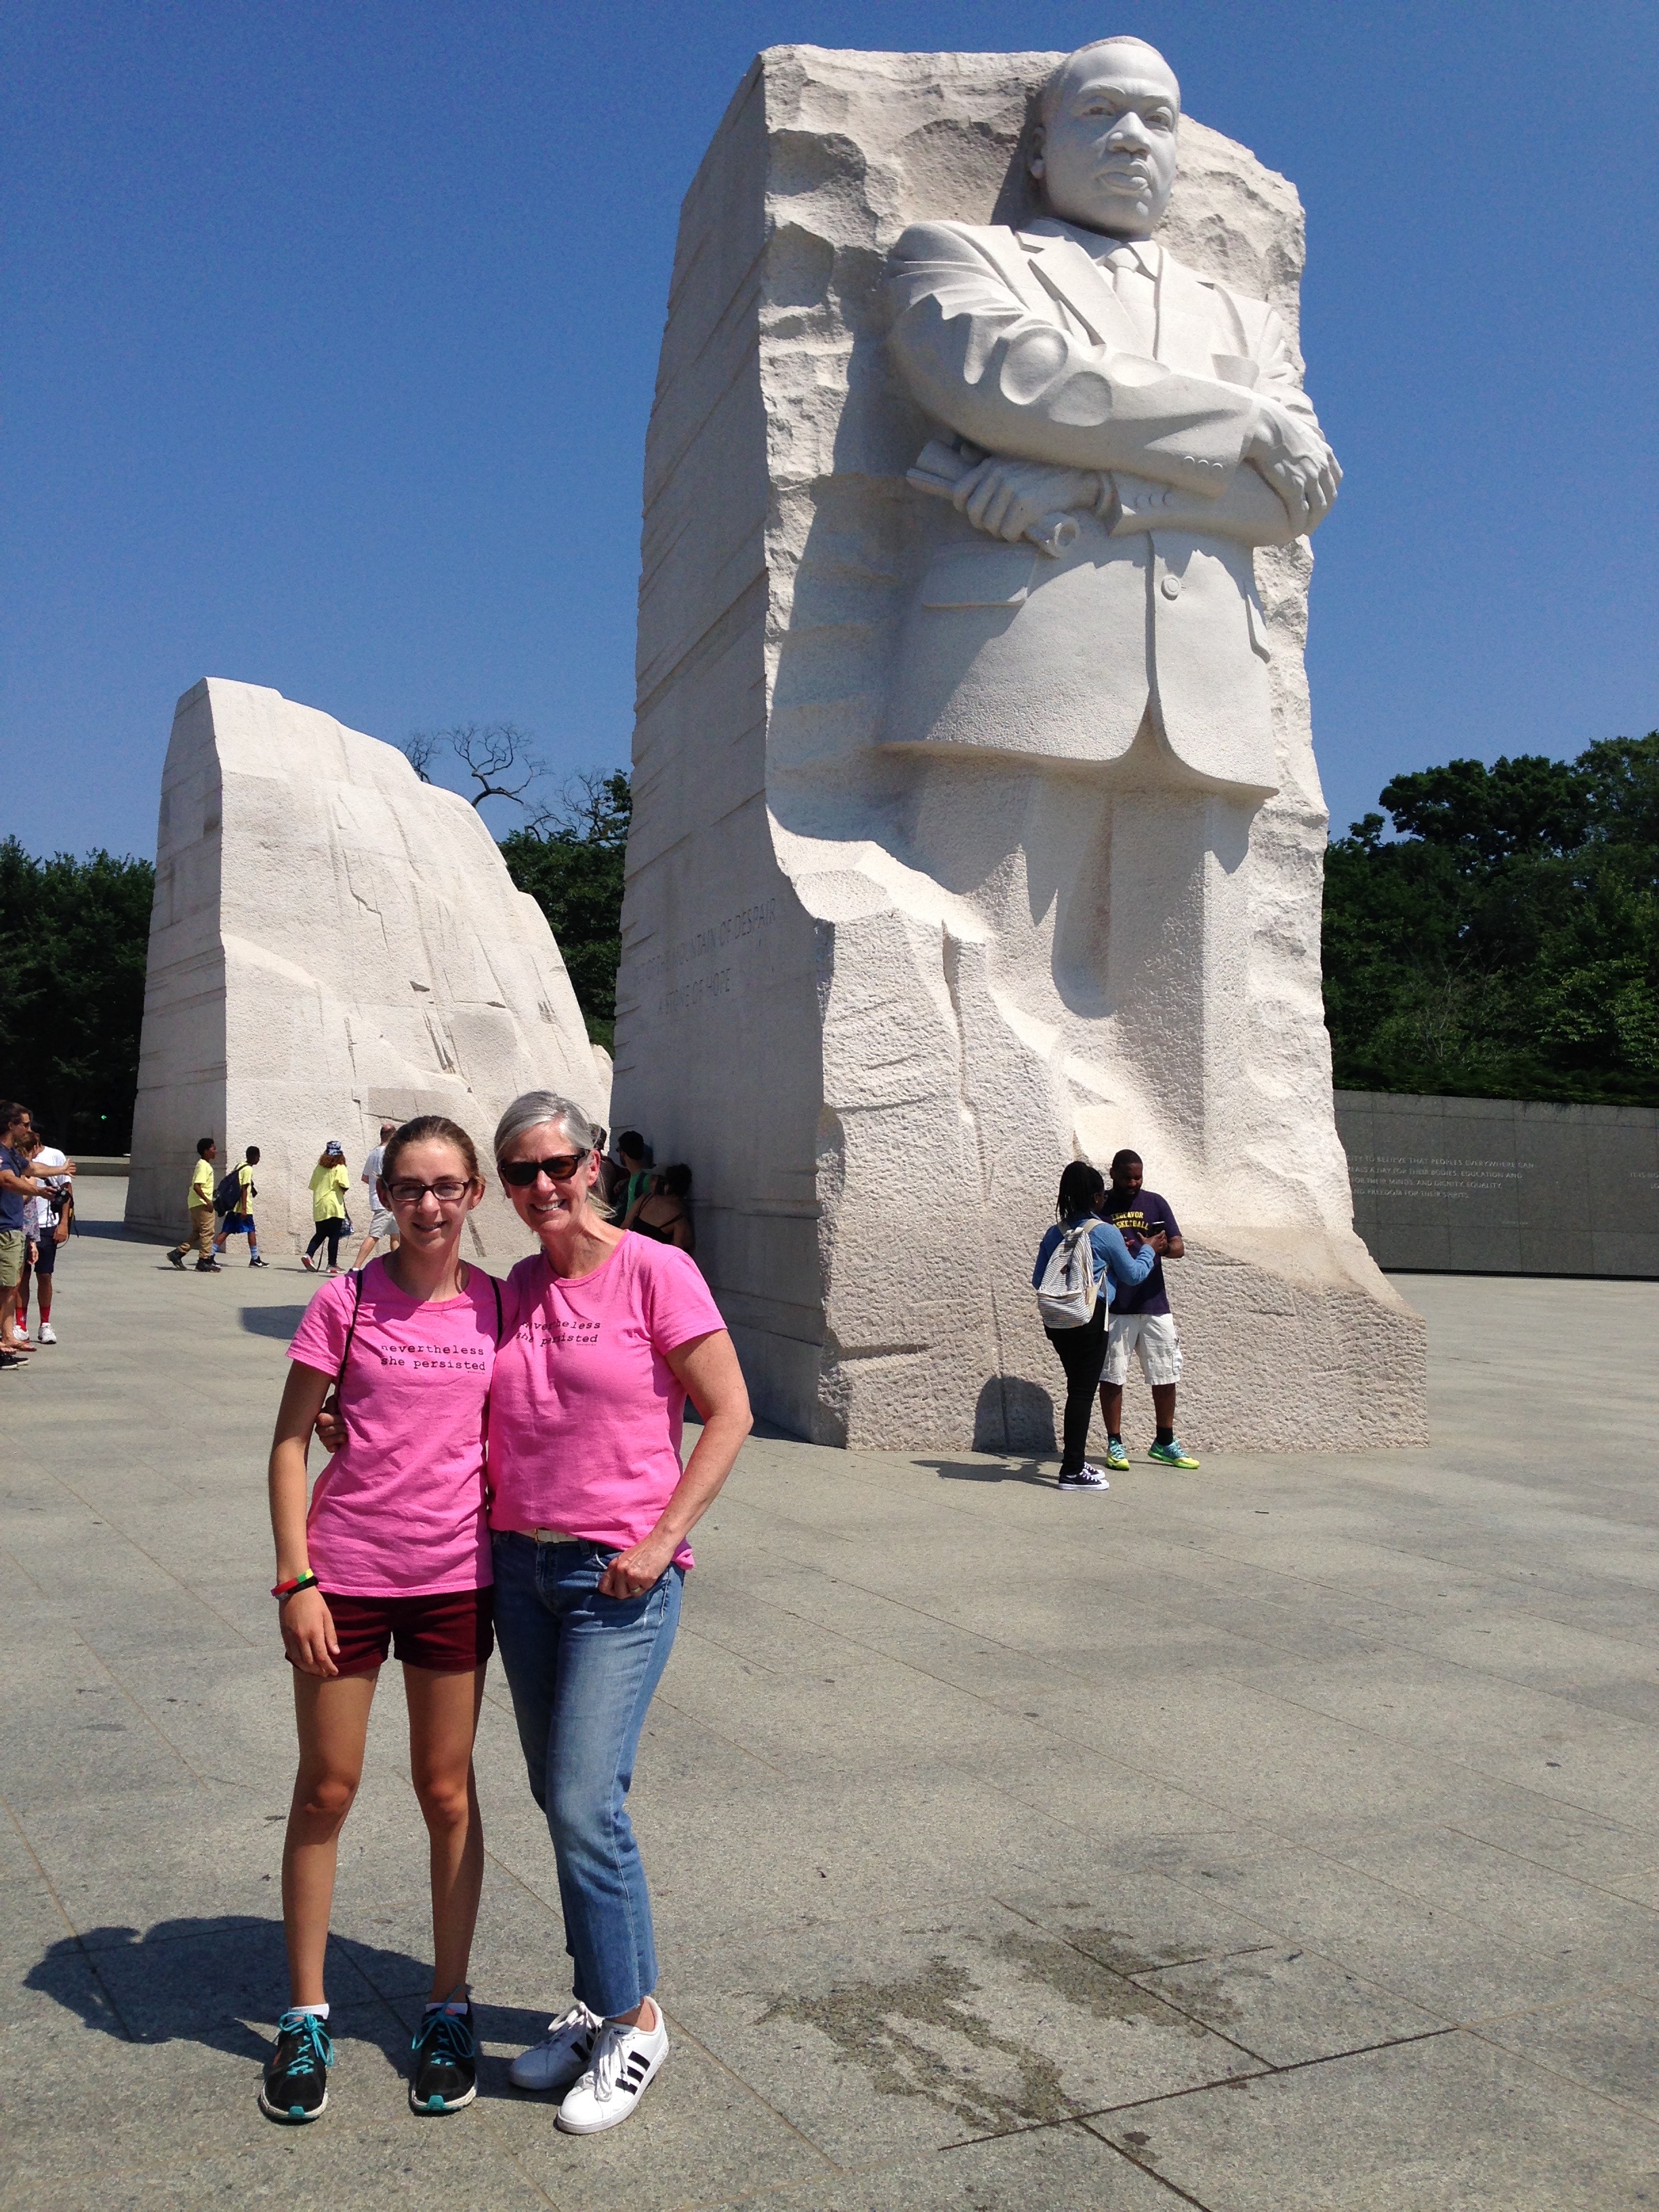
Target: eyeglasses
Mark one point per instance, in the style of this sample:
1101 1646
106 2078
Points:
449 1192
560 1168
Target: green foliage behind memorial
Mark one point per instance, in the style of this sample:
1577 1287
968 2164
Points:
572 862
73 935
1504 941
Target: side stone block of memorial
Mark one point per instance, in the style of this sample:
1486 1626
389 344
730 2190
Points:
333 942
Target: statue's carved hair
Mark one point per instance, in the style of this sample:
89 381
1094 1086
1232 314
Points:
1050 92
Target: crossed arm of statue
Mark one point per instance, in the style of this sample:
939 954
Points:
1047 423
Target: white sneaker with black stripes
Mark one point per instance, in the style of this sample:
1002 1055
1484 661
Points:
561 2057
626 2061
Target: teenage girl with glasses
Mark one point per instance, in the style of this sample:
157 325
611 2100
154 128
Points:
393 1555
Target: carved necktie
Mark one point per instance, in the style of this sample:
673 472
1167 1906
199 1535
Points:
1135 292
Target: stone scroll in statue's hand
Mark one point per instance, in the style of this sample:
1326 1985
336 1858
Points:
1008 499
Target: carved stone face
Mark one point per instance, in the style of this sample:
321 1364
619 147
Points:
1106 154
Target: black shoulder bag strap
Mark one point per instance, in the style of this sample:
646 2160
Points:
332 1404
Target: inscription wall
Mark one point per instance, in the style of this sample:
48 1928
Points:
1502 1186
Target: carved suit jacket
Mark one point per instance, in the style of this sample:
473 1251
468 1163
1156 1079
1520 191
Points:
1017 340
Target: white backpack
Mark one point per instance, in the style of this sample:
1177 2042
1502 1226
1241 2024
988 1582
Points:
1066 1296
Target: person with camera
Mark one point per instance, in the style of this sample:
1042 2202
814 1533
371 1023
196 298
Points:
1079 1262
47 1221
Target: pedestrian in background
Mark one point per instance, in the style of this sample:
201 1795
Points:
634 1182
17 1187
236 1193
1081 1346
45 1226
664 1211
201 1216
381 1220
330 1179
1142 1325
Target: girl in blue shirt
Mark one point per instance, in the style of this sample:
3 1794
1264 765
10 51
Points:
1083 1350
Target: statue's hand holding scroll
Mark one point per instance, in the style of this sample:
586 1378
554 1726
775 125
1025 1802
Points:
1006 498
1013 499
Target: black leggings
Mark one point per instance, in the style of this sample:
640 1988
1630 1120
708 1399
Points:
1083 1355
329 1233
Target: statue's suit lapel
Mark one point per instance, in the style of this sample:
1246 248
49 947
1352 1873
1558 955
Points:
1069 274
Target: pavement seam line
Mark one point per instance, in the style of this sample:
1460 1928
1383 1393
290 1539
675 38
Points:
1181 2011
1557 2074
1430 1905
1141 2166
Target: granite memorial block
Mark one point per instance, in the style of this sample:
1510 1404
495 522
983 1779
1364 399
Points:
333 942
976 822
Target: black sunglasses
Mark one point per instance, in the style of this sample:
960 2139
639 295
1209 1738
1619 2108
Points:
522 1173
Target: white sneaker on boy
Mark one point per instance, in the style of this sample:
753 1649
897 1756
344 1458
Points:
626 2061
561 2056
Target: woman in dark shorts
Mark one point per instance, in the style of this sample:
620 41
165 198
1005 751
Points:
394 1555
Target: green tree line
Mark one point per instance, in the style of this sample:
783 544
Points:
572 863
73 935
1503 942
1495 932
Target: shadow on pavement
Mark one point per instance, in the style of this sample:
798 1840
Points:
272 1320
207 1980
965 1470
114 1232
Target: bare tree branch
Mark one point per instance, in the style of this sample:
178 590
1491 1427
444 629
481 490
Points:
498 758
592 808
420 750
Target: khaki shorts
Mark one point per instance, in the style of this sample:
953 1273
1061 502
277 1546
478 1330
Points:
1153 1337
11 1258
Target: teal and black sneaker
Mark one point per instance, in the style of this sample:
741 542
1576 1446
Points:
295 2086
1173 1453
1116 1458
446 2061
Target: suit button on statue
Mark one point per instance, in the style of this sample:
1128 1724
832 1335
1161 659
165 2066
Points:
1170 587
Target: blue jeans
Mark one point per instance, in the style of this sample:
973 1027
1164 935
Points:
582 1669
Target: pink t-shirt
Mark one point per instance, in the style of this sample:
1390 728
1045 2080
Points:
400 1509
584 1412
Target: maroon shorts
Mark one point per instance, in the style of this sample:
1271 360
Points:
448 1631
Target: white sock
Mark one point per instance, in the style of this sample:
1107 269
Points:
447 2004
320 2012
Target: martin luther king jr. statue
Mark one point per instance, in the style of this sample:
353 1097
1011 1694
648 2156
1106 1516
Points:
977 825
1125 432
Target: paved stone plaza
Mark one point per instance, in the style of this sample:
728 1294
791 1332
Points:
1010 1850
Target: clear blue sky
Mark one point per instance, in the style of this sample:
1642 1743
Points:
332 327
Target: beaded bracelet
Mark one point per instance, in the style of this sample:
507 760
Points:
306 1581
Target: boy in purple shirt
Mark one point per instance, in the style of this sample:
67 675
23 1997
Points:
1141 1322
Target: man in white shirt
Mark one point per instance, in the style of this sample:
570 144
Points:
381 1222
45 1225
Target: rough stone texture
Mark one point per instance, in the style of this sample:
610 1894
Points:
333 942
871 996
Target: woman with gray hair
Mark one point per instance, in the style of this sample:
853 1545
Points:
590 1514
